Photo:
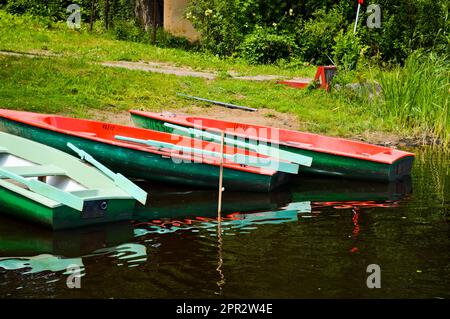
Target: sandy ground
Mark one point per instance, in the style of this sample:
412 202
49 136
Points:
167 68
261 117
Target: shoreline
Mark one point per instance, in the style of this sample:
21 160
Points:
269 117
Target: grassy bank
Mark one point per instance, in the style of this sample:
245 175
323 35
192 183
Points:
32 34
72 83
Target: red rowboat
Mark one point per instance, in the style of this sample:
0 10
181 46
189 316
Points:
147 154
331 156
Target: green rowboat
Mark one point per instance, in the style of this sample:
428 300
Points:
51 188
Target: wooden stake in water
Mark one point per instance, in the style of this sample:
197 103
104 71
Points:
221 282
219 210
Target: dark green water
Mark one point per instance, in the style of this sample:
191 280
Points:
313 239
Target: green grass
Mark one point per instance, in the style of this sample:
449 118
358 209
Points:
27 33
418 95
73 84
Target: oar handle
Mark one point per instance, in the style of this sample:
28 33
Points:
88 158
14 176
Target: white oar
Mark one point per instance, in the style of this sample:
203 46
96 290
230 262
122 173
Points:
259 148
242 159
120 180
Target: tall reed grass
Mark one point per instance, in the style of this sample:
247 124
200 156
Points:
417 95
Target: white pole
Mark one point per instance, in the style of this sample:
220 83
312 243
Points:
219 210
357 18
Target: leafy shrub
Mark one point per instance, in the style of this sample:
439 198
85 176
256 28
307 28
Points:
129 31
347 50
264 46
54 9
317 35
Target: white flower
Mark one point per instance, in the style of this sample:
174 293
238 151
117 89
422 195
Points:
291 12
274 24
189 15
208 12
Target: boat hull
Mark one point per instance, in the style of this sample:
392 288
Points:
145 165
64 217
324 164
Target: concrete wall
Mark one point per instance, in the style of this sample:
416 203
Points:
174 21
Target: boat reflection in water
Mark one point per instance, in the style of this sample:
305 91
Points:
172 210
42 250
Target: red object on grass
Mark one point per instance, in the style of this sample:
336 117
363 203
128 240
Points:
361 1
324 75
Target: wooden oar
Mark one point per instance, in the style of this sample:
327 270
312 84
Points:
120 180
259 148
47 190
242 159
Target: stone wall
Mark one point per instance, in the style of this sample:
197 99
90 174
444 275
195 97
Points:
175 22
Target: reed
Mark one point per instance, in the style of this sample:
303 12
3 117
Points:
417 95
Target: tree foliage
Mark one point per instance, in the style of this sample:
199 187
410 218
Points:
264 31
316 24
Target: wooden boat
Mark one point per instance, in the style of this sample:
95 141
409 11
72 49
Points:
147 154
331 156
54 189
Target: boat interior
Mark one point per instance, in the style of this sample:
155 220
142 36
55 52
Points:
109 131
294 138
49 174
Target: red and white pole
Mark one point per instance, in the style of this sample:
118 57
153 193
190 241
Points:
360 2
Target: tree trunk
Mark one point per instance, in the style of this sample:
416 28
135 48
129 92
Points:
143 13
91 20
106 17
143 10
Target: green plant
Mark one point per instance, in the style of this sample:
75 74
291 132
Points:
265 46
418 94
316 37
347 50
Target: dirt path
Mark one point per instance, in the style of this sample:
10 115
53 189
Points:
155 67
166 68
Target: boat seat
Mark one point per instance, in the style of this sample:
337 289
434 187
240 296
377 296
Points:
37 171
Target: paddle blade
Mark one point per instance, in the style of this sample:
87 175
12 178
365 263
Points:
131 188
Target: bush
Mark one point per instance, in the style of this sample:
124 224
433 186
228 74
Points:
347 50
54 9
317 35
265 46
129 31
